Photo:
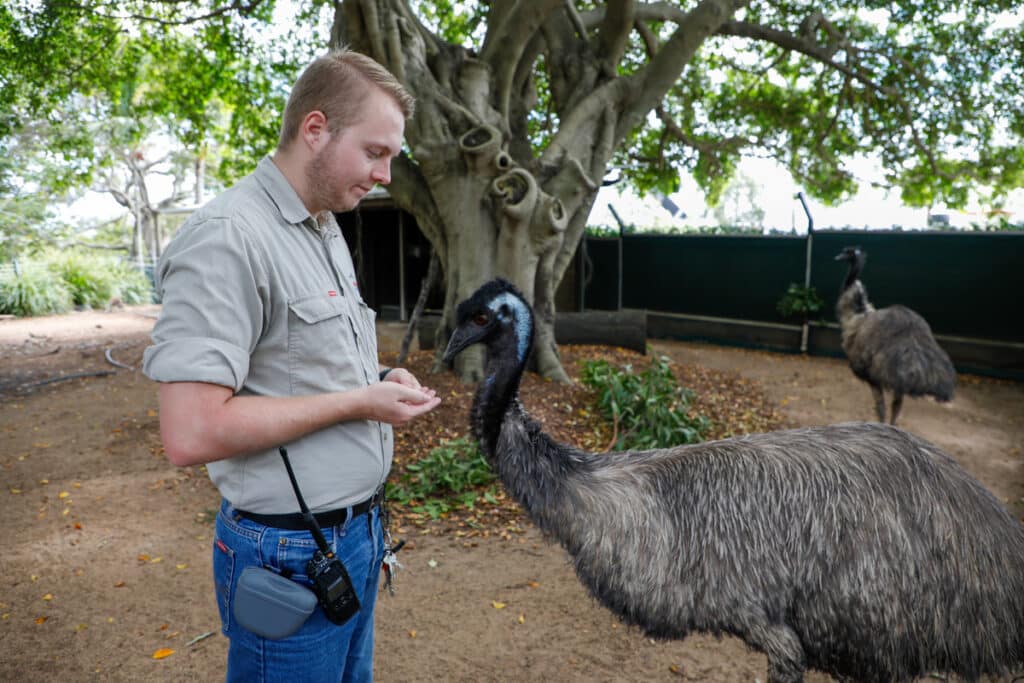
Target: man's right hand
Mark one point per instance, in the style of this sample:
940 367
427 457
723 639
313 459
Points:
396 403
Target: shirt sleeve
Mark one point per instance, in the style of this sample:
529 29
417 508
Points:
213 286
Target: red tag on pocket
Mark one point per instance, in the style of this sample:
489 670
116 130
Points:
223 548
331 292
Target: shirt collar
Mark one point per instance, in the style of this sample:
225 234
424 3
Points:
281 192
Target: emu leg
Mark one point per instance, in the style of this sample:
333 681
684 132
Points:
897 403
785 653
876 391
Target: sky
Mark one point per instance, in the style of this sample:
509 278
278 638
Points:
871 208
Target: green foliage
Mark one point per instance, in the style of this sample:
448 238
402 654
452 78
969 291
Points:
650 410
33 291
88 278
132 285
799 301
937 100
933 98
55 283
451 475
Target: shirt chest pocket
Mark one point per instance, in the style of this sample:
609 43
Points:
322 346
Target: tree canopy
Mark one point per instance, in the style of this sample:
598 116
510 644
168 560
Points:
524 107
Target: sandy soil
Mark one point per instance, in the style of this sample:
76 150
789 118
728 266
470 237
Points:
106 560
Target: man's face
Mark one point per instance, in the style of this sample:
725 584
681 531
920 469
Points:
358 157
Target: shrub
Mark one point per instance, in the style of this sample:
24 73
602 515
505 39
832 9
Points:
131 284
650 410
96 279
449 475
33 291
88 278
799 301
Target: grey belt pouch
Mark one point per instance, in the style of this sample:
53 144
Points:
270 605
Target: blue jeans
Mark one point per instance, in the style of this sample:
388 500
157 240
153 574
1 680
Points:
320 650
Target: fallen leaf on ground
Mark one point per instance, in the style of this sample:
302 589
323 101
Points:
497 605
163 652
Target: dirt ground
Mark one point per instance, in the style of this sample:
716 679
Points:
107 557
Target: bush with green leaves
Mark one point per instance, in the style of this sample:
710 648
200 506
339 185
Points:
88 277
57 282
33 291
800 301
450 475
650 409
132 285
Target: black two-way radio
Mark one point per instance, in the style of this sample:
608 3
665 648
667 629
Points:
331 583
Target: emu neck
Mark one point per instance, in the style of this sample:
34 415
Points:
498 391
853 274
534 469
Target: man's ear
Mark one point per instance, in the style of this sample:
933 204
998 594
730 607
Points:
314 129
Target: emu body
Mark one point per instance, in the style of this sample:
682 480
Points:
857 549
892 349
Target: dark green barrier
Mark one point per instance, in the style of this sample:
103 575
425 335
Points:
964 284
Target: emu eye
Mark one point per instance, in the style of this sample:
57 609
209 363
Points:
481 319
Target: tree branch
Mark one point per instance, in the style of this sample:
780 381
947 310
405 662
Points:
653 81
238 6
410 191
789 41
804 44
613 34
506 42
732 143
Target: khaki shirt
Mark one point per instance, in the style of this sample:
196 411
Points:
258 298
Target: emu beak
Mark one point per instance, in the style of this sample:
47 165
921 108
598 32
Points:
461 338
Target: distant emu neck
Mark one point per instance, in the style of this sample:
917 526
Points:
853 274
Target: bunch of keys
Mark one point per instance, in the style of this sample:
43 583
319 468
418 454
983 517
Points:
390 563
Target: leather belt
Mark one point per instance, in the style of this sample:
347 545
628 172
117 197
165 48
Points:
294 521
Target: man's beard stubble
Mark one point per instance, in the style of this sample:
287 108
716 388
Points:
318 181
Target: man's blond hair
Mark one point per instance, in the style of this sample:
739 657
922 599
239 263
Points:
337 84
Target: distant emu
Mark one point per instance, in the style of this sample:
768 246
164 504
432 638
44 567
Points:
889 348
857 549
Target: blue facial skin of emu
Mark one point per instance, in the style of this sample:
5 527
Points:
522 321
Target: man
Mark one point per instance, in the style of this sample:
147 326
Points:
264 341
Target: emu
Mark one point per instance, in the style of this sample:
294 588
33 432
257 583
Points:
856 549
890 348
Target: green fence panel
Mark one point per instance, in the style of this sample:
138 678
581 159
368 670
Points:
964 284
601 273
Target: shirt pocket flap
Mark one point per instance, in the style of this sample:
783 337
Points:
316 308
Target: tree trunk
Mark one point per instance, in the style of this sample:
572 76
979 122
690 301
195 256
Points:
496 190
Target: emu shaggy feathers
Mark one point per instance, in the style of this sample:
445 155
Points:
856 549
892 349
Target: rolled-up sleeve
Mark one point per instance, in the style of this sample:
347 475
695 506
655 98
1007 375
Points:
213 287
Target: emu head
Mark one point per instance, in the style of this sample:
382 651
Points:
496 315
855 255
